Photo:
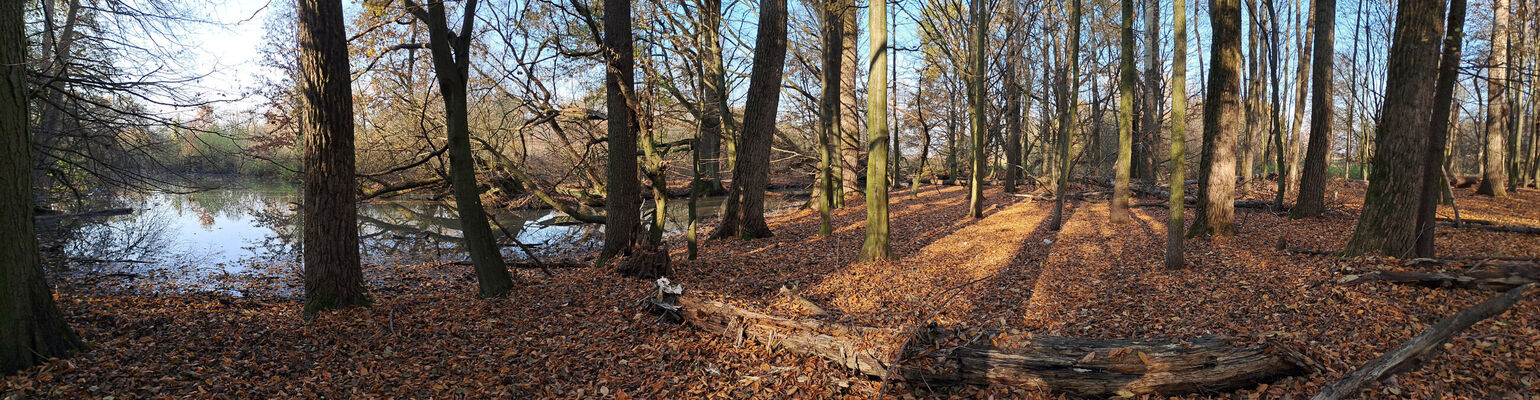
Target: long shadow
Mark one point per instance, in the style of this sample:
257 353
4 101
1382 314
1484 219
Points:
754 270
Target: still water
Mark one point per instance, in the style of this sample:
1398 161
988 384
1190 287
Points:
211 235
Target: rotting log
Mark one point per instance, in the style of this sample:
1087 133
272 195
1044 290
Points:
1491 226
1419 346
111 212
1498 277
1080 367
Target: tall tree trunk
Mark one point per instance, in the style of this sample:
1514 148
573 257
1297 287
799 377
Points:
1221 120
713 86
1312 188
1388 222
1301 79
978 101
1176 204
1012 121
752 173
876 247
850 149
1494 178
623 197
1119 213
32 329
1151 118
333 276
451 65
1280 139
829 111
1433 183
1071 94
1253 102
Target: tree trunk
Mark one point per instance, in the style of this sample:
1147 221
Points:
829 111
1221 120
1069 87
1312 187
713 92
1388 222
977 102
876 246
333 276
1175 204
751 175
1126 80
1494 178
1151 110
850 126
32 329
451 64
1433 184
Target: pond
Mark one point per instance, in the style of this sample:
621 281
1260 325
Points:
206 238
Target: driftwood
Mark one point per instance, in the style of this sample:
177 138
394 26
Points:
1497 276
1080 367
111 212
1430 339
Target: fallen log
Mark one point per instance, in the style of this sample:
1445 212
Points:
1420 345
1076 366
1492 227
807 305
111 212
1499 278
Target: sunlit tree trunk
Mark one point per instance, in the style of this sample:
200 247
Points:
1494 177
1071 93
1253 102
1221 121
32 329
451 65
333 276
876 246
1312 187
976 106
751 175
1176 204
1433 183
829 111
850 142
1388 223
1120 192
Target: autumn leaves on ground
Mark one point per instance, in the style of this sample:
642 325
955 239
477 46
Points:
582 333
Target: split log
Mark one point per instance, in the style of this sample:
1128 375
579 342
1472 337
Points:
1080 367
1499 277
1430 339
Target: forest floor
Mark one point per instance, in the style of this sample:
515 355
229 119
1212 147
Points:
580 333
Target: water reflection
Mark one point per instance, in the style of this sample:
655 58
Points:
205 239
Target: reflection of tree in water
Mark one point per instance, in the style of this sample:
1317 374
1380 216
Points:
282 242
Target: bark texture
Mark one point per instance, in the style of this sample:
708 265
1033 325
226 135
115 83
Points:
1312 185
451 65
32 329
333 276
876 245
1433 180
622 197
1494 177
1388 222
751 175
1221 123
1126 81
